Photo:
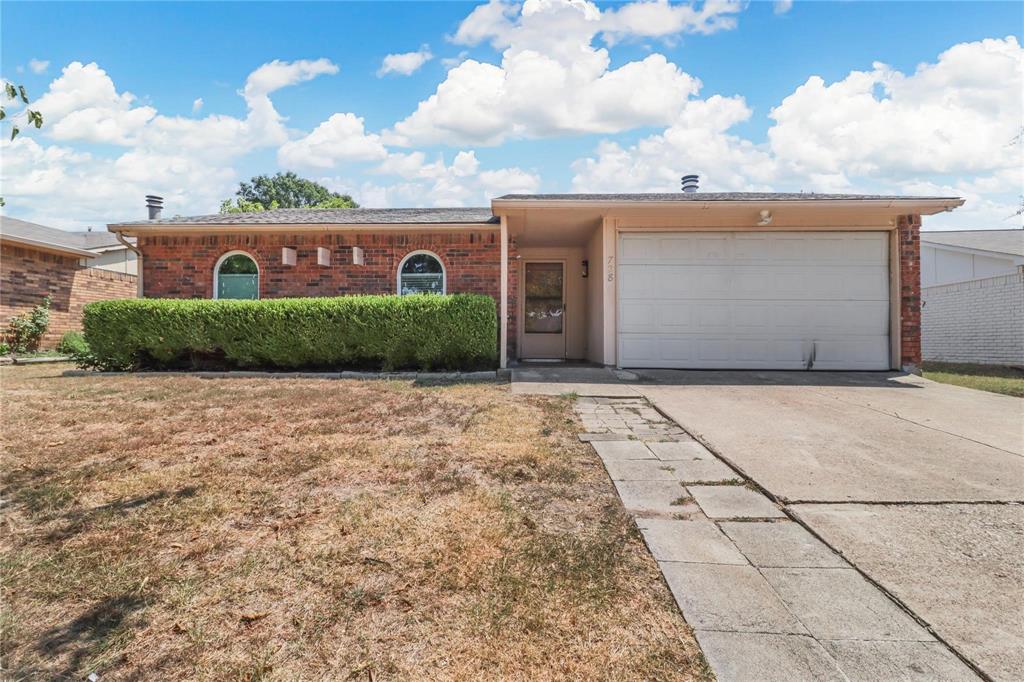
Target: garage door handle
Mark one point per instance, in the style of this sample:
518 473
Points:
810 358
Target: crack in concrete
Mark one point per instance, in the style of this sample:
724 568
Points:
905 503
916 423
795 519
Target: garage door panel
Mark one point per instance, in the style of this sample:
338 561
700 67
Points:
636 282
713 249
755 300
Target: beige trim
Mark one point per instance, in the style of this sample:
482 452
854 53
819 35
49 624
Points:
919 206
503 322
610 296
845 227
143 228
895 301
48 247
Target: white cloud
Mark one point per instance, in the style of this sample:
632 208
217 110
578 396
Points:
659 19
197 104
406 63
83 104
340 138
38 66
95 190
189 161
436 183
549 58
697 143
451 62
946 129
954 116
782 6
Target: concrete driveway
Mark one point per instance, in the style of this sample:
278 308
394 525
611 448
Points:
918 484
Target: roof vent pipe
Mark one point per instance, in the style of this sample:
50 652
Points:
154 205
690 183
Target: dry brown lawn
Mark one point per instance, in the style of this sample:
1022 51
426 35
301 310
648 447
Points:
171 527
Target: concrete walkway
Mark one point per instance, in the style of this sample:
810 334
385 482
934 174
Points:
900 590
766 599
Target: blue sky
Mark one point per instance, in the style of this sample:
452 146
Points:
697 87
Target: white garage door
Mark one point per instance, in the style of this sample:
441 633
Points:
761 300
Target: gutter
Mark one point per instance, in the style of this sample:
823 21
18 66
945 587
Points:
931 206
222 228
138 264
47 246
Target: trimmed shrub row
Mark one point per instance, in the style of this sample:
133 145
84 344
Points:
367 332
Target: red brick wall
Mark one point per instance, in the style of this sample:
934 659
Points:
27 276
181 266
909 227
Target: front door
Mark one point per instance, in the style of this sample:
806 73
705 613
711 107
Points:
543 310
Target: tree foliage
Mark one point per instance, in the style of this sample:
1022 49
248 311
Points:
32 117
284 190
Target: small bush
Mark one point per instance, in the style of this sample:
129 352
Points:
4 348
385 332
73 344
25 331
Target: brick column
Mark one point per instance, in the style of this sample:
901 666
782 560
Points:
909 227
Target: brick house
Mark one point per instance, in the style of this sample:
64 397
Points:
688 280
38 261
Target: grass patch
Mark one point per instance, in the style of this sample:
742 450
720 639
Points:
174 527
991 378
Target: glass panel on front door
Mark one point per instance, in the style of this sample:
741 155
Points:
544 302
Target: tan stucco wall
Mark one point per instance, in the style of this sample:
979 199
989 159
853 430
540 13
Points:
595 293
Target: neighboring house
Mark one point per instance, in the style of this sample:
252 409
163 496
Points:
38 261
688 280
110 253
973 295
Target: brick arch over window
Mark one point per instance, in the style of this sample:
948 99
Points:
236 285
421 271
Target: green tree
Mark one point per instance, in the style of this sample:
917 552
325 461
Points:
16 92
284 190
243 206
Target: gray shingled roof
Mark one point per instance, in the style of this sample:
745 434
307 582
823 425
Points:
997 241
333 216
87 241
98 239
714 196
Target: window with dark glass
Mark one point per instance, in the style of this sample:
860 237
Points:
421 273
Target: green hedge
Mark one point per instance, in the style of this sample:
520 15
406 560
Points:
386 332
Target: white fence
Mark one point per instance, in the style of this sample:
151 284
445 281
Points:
977 321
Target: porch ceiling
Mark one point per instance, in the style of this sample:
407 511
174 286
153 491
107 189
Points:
554 228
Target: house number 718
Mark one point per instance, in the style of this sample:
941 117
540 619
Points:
611 268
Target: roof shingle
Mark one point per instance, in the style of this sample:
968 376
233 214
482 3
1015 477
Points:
997 241
333 216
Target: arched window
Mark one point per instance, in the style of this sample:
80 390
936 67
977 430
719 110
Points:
236 275
421 272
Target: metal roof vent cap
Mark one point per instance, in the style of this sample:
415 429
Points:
154 205
690 183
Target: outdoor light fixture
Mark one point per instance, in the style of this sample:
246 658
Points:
287 256
323 256
357 256
586 268
766 218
